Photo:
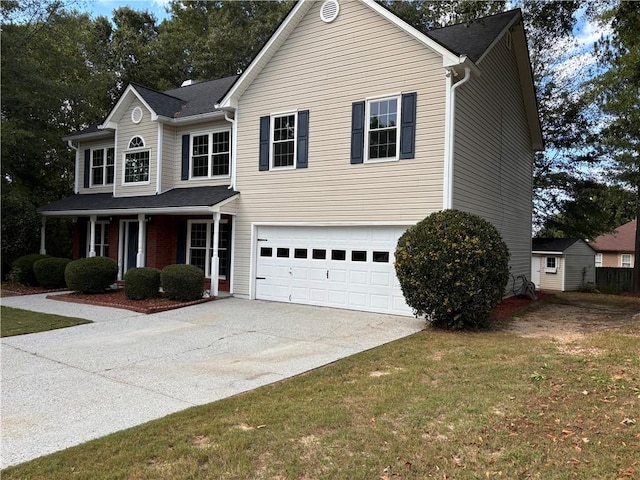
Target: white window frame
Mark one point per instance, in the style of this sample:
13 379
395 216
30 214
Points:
100 238
272 125
208 247
549 269
210 154
131 151
367 127
105 151
626 264
598 260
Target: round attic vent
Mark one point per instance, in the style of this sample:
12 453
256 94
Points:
329 11
136 115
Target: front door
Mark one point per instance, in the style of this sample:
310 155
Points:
130 242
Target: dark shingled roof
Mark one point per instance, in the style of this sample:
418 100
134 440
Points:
177 197
552 244
474 38
202 97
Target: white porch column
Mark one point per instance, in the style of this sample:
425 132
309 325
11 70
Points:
92 235
215 261
43 232
141 241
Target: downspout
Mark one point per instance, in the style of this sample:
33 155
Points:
234 143
450 123
76 188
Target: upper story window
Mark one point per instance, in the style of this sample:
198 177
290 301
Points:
598 259
382 129
210 154
136 162
283 140
625 260
102 166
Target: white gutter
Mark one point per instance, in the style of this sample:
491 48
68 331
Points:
76 188
450 125
159 174
234 143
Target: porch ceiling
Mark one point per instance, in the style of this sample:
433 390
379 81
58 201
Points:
178 201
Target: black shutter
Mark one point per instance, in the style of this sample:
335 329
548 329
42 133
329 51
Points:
408 126
263 164
181 242
87 167
357 132
185 158
302 149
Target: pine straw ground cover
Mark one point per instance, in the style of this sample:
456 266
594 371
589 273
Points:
434 405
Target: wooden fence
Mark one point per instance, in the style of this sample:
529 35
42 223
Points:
614 280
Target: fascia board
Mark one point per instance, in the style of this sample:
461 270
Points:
191 118
540 252
109 121
514 20
106 133
131 211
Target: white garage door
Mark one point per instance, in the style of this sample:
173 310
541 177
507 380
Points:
343 267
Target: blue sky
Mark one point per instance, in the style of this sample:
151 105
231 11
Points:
106 7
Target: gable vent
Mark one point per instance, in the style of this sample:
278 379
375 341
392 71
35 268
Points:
136 115
329 11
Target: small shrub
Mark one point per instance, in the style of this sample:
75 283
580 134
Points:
142 283
50 271
453 268
91 275
22 269
182 282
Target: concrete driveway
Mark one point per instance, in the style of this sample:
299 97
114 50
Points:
64 387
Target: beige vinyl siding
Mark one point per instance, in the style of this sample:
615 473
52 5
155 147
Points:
146 129
324 68
493 154
579 266
176 160
170 143
92 145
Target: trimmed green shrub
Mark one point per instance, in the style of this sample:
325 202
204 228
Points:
22 269
50 271
182 282
142 283
453 268
91 275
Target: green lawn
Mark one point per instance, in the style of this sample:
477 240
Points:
434 405
15 321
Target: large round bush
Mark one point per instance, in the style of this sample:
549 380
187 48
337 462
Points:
453 268
142 283
91 275
50 272
182 282
22 269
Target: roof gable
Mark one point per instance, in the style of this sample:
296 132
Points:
621 240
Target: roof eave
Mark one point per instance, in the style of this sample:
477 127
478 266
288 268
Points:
104 133
216 115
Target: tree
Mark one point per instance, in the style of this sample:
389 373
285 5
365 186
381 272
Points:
617 93
592 209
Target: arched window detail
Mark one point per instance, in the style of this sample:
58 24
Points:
136 142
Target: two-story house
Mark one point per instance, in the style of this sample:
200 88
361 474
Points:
294 181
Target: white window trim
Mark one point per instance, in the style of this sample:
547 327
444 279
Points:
598 260
208 246
144 148
98 246
368 101
295 140
104 167
622 262
551 269
210 165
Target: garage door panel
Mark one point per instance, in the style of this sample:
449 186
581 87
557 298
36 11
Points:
344 267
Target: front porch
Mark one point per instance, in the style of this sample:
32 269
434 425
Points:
154 231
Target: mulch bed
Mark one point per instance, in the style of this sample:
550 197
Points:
509 305
117 299
21 290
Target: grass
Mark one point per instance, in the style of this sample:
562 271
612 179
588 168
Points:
434 405
15 321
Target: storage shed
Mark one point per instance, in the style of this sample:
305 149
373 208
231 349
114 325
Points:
562 264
